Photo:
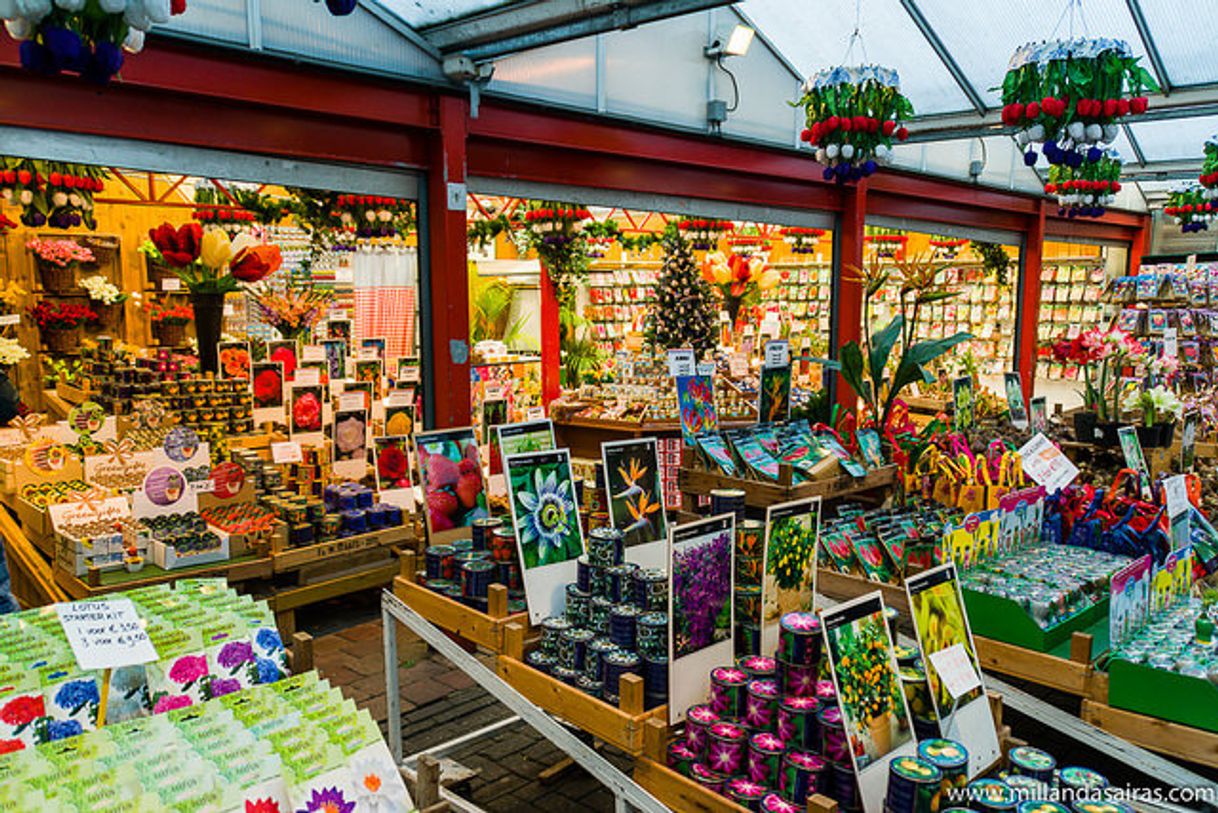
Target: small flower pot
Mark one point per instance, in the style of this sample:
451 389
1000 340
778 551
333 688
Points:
1106 434
57 279
1084 427
134 565
61 339
107 315
1151 437
169 335
1167 432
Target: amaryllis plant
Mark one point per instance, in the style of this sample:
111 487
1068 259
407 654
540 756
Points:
853 116
1190 207
85 37
51 193
1070 95
701 594
60 315
1086 190
59 252
1109 351
738 279
210 262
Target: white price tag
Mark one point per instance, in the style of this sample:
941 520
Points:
682 363
312 352
1171 343
777 354
955 670
409 374
10 319
738 364
203 486
706 368
1045 463
535 413
105 634
307 377
351 400
1176 490
287 451
171 284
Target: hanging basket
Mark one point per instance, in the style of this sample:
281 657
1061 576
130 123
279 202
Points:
61 339
57 279
104 248
169 334
107 315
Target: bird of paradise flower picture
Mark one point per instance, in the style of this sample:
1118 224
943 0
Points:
636 495
774 394
542 491
696 400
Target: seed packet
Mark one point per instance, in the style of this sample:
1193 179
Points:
836 544
1128 319
870 556
1156 321
1184 319
759 461
852 466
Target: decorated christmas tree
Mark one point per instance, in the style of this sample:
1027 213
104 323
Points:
685 313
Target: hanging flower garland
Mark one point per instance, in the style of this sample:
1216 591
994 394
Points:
1087 190
556 232
1189 207
946 248
51 193
1070 96
748 245
85 37
703 235
1209 169
374 215
236 206
853 115
887 245
802 240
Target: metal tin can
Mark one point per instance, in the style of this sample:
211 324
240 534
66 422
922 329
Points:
589 686
761 706
798 680
476 578
1081 779
605 547
749 570
774 803
948 756
573 647
707 778
844 786
914 786
578 603
698 720
746 793
481 530
621 582
623 620
802 774
728 501
539 661
748 604
503 544
991 796
681 757
651 589
552 629
1032 762
1046 806
651 634
617 664
437 560
834 745
594 658
758 667
598 614
728 695
765 758
725 748
797 722
799 639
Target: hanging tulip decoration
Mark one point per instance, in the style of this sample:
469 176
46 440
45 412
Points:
1088 189
853 117
84 37
1188 205
1070 96
1209 170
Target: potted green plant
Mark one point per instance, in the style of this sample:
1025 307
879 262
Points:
1160 409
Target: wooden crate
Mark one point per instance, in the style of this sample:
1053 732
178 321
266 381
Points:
72 394
484 629
1075 675
621 725
695 482
679 792
98 583
843 587
288 558
36 524
1168 738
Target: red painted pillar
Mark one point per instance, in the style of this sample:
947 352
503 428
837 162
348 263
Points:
551 356
1029 300
849 304
448 273
1140 247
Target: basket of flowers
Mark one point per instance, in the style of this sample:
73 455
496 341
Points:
105 299
60 324
169 323
57 261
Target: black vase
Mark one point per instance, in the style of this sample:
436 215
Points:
1167 433
1084 427
209 316
1150 437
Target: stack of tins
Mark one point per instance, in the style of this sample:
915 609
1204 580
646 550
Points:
465 569
750 567
615 623
771 734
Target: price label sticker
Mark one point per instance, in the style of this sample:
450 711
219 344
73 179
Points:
171 284
287 451
1045 463
777 354
706 368
10 319
955 670
105 634
681 363
312 352
352 400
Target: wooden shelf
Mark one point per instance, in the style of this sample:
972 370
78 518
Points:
762 494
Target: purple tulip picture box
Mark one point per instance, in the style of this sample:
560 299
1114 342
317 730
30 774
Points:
701 578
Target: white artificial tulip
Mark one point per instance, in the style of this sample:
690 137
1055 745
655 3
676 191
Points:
1094 133
1076 130
1110 133
847 151
1036 133
113 6
70 5
35 10
831 151
1021 138
74 199
157 11
8 9
27 197
821 156
370 216
134 43
385 215
883 153
59 199
19 28
136 17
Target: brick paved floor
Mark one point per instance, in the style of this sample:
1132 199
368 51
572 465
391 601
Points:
441 703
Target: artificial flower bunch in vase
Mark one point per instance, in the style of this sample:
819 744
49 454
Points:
1101 355
169 322
1160 409
1087 190
212 264
85 38
60 324
738 279
294 309
1188 204
57 261
106 300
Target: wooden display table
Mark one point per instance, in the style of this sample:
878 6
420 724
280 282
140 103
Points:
695 482
584 436
98 582
621 725
484 629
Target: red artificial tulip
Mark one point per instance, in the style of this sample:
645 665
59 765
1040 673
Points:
24 177
902 134
179 247
56 179
256 263
1138 105
177 7
845 124
1032 110
832 123
1122 108
1110 107
889 127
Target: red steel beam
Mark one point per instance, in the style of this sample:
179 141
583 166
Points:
1029 296
849 301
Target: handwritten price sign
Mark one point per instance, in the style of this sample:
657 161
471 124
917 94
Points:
105 634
